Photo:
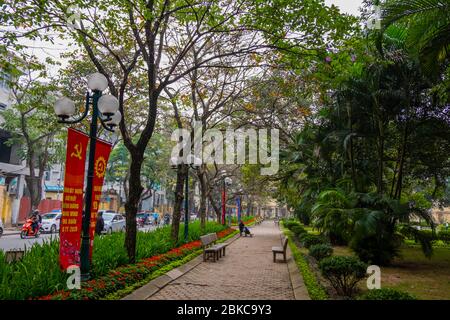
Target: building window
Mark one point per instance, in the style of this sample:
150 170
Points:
4 80
5 148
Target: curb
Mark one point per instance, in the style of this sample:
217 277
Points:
151 288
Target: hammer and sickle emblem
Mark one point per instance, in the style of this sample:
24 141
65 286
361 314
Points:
77 153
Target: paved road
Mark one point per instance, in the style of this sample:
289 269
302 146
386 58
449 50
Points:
13 241
246 272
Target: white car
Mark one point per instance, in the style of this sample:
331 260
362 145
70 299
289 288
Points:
114 222
51 222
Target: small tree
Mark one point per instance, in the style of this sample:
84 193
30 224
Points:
31 121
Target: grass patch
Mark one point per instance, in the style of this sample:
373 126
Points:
412 272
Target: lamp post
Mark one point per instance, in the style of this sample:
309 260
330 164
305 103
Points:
192 162
104 108
239 203
226 181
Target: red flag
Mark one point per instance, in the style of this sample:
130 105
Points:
102 151
70 227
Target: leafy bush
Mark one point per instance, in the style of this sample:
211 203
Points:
386 294
298 230
307 240
343 273
377 249
291 223
320 251
444 235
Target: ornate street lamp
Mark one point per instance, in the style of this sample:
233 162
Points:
106 109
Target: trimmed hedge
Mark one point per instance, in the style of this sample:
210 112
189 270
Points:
386 294
443 235
320 251
307 239
291 223
298 230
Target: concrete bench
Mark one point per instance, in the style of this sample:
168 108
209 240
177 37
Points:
281 250
210 248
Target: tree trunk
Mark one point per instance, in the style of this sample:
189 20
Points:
179 196
380 158
203 196
249 206
31 180
398 188
215 207
131 205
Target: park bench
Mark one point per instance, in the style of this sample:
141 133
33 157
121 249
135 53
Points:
210 248
281 250
258 220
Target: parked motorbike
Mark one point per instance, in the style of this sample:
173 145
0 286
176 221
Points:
27 230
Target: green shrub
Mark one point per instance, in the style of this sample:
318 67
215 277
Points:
320 251
444 235
343 273
291 223
307 240
298 230
379 248
386 294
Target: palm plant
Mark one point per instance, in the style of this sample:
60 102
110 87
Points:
428 28
373 224
380 223
332 215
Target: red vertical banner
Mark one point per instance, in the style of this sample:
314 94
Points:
102 151
72 208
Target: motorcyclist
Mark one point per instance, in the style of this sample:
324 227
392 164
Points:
37 219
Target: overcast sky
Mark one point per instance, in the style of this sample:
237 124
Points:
347 6
43 50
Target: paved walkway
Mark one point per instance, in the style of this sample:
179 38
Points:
246 272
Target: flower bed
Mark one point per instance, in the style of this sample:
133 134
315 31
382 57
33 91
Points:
127 275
